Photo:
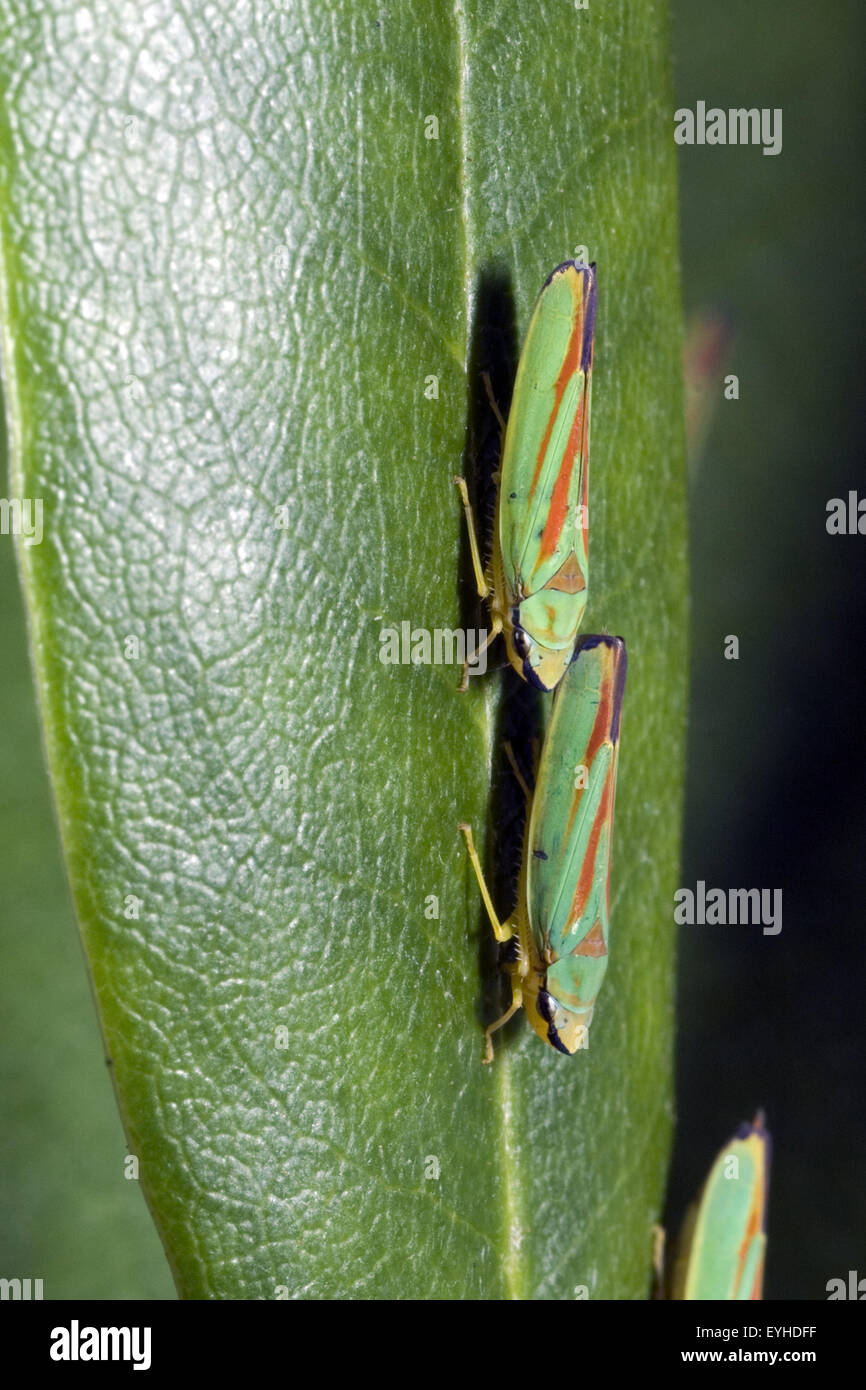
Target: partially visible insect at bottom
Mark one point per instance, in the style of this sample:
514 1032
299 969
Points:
721 1249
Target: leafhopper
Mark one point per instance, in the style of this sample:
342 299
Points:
539 565
723 1241
560 924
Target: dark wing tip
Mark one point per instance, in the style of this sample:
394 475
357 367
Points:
572 265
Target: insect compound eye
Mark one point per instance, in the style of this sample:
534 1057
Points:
521 643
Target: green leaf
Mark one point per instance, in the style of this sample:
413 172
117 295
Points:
75 1224
231 260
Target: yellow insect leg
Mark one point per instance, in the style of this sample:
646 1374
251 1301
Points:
503 931
521 780
516 1003
495 629
480 578
484 589
488 387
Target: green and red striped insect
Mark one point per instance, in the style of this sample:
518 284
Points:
723 1241
539 564
560 925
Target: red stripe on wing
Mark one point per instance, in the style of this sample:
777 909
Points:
558 506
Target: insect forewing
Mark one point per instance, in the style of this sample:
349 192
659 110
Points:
571 824
724 1239
543 498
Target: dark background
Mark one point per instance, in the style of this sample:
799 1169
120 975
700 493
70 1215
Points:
777 762
777 745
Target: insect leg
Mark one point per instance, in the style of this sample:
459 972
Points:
502 931
495 629
480 579
516 1003
488 387
521 780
